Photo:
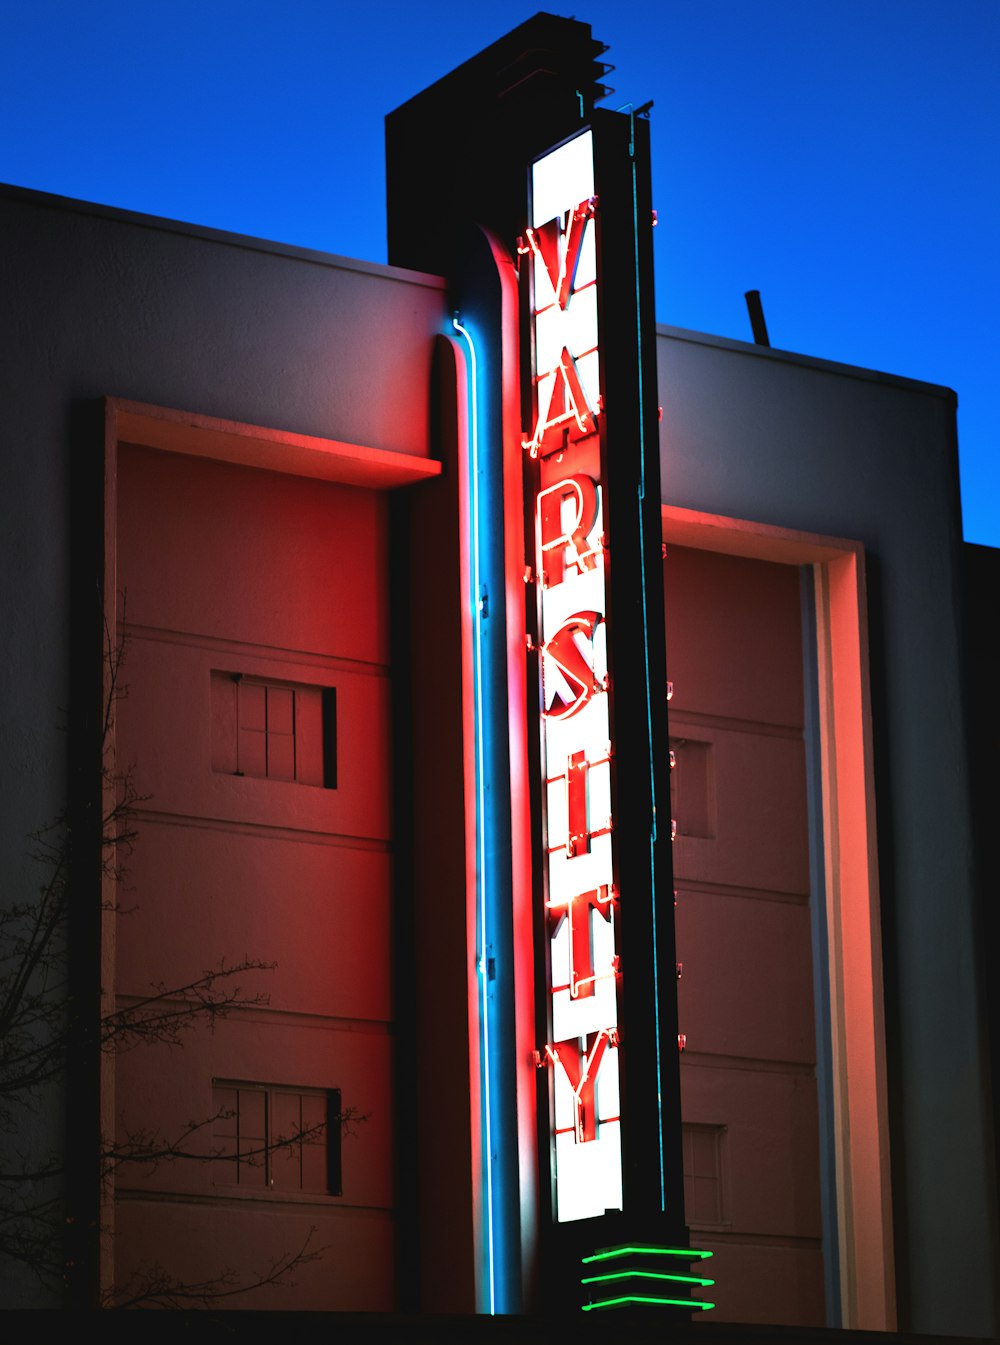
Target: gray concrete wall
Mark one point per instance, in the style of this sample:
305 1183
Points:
805 444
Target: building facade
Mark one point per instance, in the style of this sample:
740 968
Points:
395 579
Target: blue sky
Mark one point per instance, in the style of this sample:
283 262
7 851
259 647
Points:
841 156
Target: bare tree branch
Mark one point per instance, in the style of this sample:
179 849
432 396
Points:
168 1012
36 1031
152 1286
151 1147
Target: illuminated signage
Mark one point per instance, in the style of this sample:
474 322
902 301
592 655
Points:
569 916
570 563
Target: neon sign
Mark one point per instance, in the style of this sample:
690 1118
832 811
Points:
564 275
576 755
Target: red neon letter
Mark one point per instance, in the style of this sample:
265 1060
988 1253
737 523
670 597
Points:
562 402
555 536
581 952
582 1071
574 668
557 246
578 840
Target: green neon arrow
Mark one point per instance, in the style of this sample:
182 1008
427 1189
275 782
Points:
691 1253
658 1302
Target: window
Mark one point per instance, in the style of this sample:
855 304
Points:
692 786
704 1194
274 730
283 1140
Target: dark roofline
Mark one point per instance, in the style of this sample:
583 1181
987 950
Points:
807 362
49 201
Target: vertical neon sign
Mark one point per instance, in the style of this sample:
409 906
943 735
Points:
570 563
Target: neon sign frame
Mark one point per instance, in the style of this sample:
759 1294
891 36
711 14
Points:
576 755
607 1017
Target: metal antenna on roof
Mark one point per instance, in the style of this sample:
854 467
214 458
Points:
756 310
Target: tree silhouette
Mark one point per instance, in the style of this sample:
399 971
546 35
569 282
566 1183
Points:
38 1030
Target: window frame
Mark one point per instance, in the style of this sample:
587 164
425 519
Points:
271 1145
860 1109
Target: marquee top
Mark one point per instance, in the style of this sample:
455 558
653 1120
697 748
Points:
545 57
458 151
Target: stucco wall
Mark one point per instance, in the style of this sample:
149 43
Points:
99 303
96 302
805 444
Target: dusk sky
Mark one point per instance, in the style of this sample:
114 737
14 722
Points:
841 156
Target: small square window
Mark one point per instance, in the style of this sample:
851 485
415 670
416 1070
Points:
274 730
280 1140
